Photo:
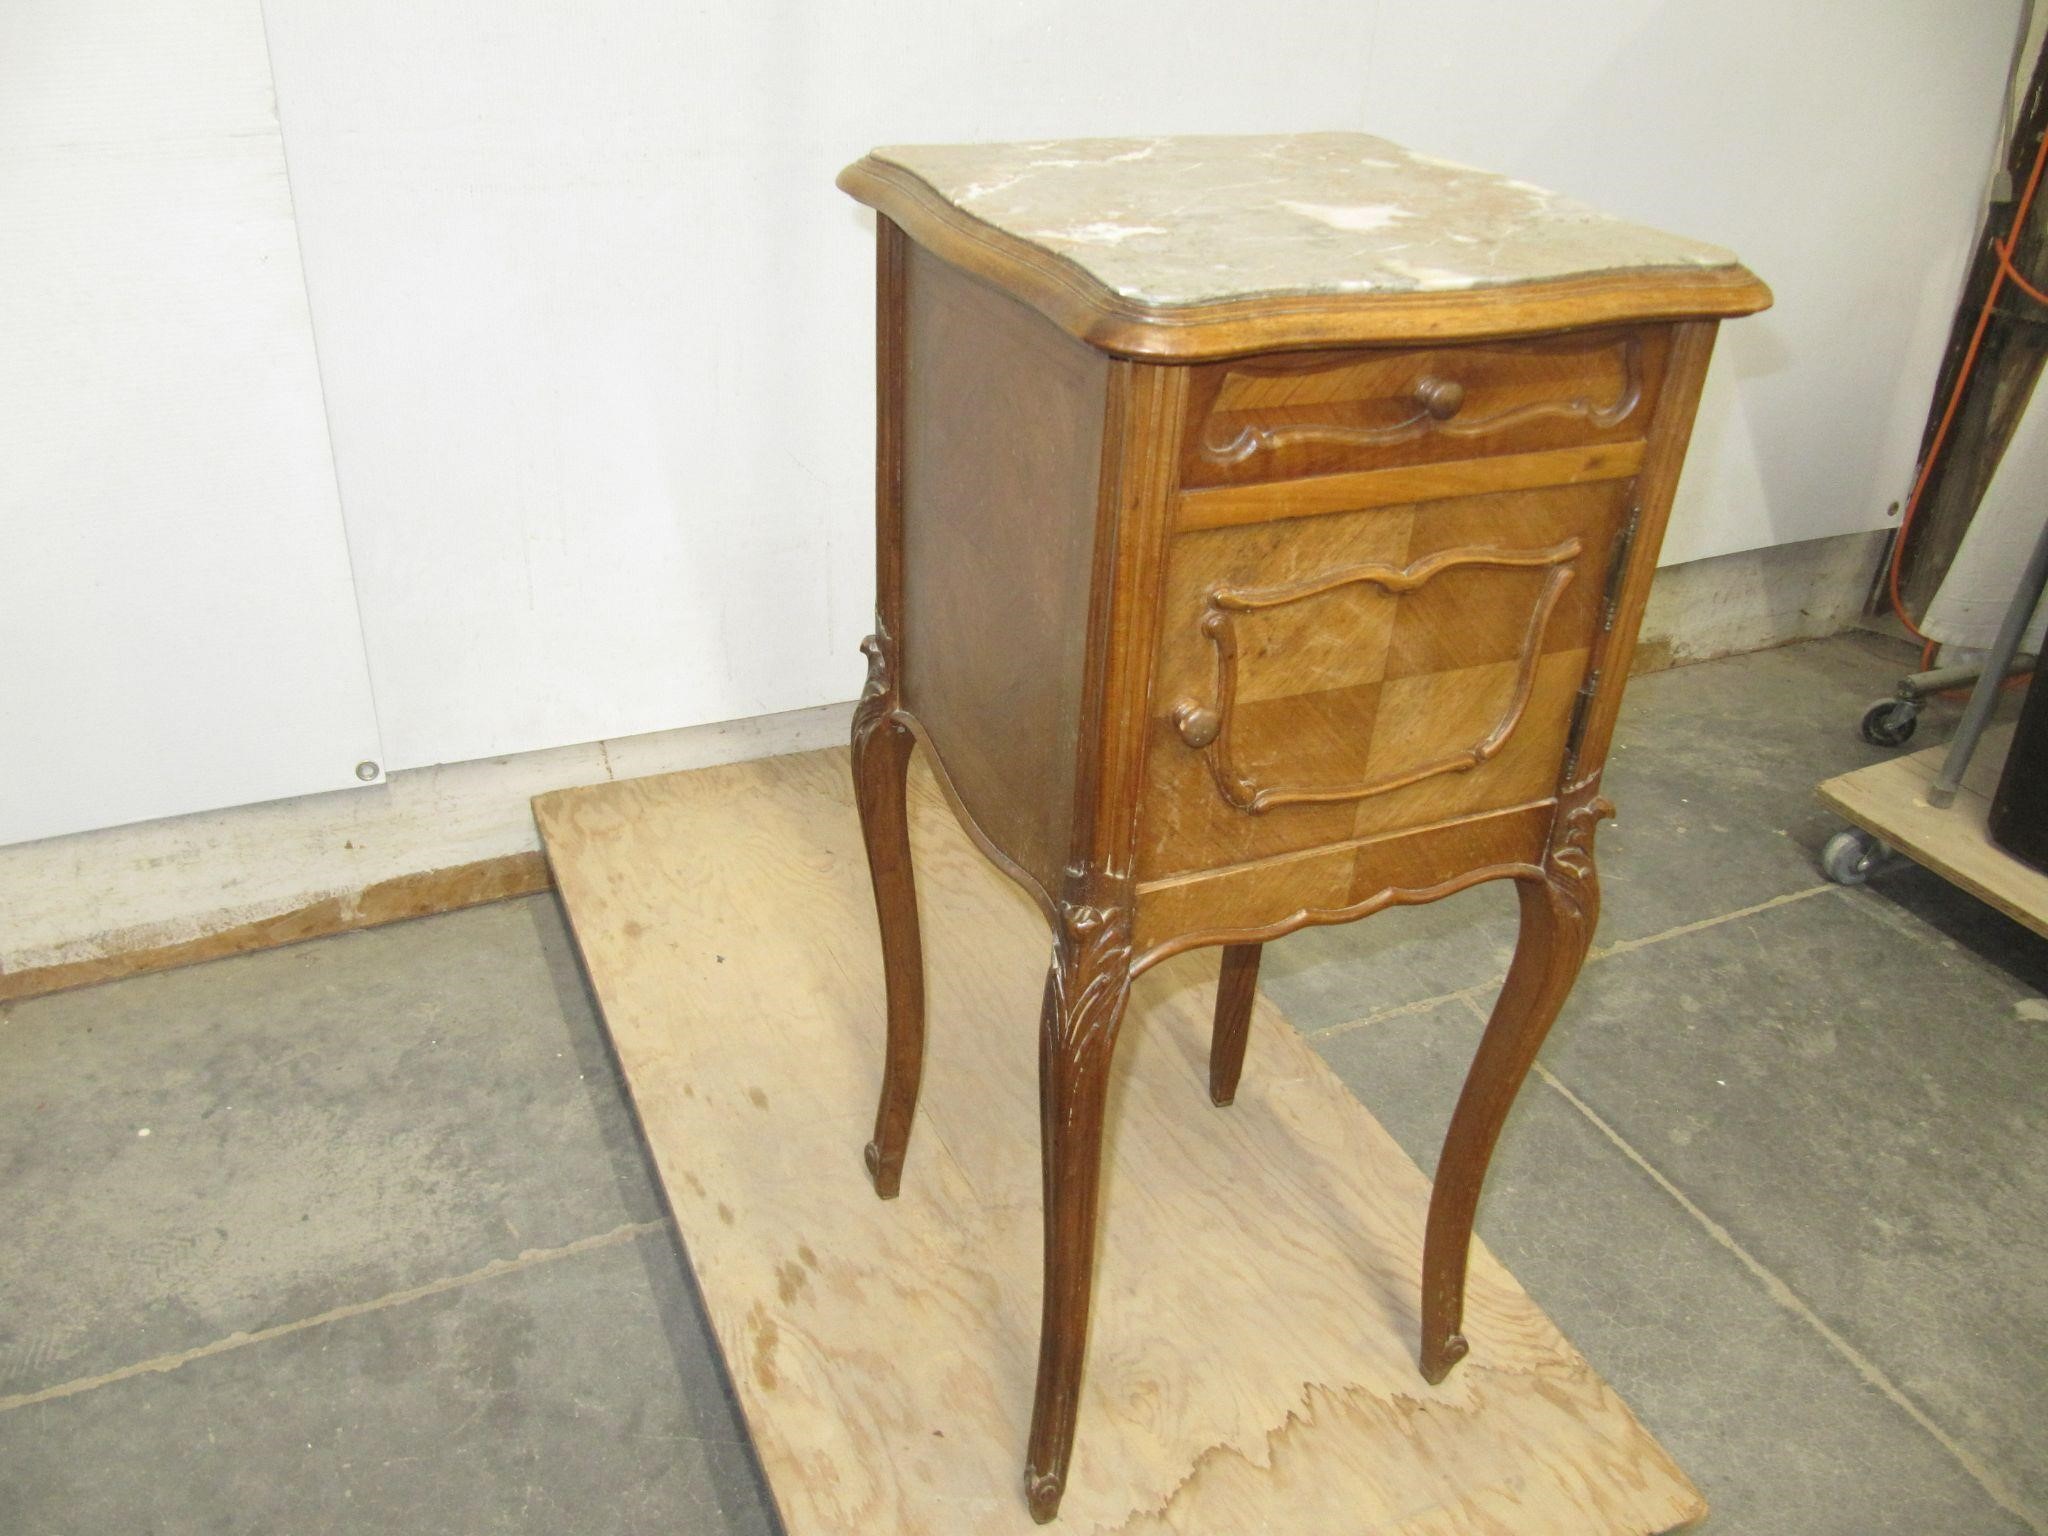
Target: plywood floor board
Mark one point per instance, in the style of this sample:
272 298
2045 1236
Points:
1889 800
1251 1360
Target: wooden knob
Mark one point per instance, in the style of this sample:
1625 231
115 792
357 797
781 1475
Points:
1197 726
1439 397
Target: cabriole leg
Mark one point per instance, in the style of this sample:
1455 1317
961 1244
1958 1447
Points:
1559 910
881 766
1084 1005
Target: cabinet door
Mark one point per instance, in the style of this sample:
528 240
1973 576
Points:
178 629
1354 674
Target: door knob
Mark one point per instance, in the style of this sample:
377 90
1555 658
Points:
1198 725
1439 397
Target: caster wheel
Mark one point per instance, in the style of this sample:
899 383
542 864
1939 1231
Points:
1850 856
1890 722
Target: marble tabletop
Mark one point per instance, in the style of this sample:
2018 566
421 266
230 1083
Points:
1195 220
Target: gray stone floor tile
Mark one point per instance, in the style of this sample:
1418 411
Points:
1713 771
1321 977
1847 1083
245 1143
1921 903
1777 1429
579 1395
1857 1098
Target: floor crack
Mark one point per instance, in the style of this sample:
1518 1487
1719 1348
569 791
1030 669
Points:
1470 995
530 1259
1783 1294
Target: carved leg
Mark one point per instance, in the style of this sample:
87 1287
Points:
1084 1005
881 764
1559 910
1234 991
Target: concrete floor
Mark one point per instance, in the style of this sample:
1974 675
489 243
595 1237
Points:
358 1236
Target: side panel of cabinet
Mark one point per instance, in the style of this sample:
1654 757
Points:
1002 464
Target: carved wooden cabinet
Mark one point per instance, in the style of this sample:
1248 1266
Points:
1264 525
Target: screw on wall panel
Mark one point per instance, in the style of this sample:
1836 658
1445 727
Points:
367 772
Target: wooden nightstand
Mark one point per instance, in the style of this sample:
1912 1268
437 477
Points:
1263 525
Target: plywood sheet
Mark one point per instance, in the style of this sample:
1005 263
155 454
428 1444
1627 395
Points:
1889 799
1251 1363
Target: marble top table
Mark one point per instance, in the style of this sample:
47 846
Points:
1262 530
1136 245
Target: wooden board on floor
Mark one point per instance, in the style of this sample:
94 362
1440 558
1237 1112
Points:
1251 1363
1889 800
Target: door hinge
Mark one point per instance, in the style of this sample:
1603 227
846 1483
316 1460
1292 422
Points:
1581 712
1617 567
1610 604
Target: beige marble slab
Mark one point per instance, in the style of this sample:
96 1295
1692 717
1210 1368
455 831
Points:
1196 220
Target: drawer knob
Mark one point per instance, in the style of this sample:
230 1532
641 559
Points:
1439 397
1197 725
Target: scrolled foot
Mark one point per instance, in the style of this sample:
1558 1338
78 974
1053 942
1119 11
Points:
1042 1492
887 1173
1437 1360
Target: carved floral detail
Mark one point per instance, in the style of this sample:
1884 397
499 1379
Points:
1090 979
1580 810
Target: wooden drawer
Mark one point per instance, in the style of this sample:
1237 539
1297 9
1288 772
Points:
1291 415
1345 675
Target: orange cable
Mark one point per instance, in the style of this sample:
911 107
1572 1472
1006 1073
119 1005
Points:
2006 272
2014 276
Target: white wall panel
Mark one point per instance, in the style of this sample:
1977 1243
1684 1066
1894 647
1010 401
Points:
596 333
177 626
1842 149
596 326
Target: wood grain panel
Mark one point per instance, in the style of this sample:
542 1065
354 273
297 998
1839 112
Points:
1229 506
1468 618
1002 459
1147 409
1442 668
1415 717
1297 415
1271 897
1332 641
1244 898
882 1352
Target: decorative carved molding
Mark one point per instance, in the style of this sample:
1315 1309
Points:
1394 579
877 701
1089 982
1315 917
1085 993
1580 810
1210 730
1437 410
1567 868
